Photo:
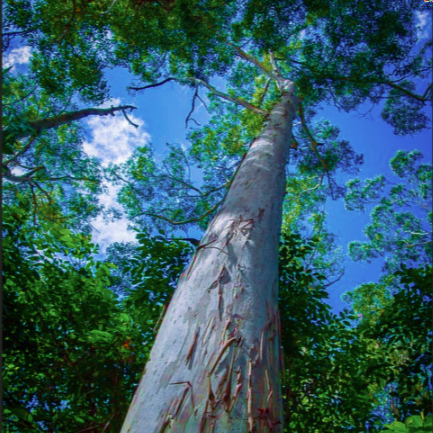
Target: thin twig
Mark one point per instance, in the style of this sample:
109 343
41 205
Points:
149 86
338 279
192 108
191 220
128 120
68 24
22 151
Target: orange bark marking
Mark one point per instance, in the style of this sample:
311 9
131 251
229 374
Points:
217 283
238 386
166 420
189 386
223 349
208 327
261 213
194 259
227 391
223 380
191 349
228 321
164 425
211 395
181 401
203 419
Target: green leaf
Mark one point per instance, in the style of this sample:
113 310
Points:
397 426
22 413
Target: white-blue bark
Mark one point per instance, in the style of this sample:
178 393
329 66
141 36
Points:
216 360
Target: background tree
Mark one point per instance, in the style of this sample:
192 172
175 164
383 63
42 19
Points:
70 353
401 222
391 309
326 385
43 157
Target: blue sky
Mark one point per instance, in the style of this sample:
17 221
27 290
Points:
161 115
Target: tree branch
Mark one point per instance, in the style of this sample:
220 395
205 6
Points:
405 91
73 178
275 64
128 120
192 108
204 103
34 203
429 87
390 84
149 86
332 282
46 194
253 60
314 143
265 90
68 24
61 119
20 179
191 220
313 188
182 181
222 95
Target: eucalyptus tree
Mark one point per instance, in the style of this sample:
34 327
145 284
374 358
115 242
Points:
73 41
216 360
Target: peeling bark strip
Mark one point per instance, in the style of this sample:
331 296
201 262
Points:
230 293
61 119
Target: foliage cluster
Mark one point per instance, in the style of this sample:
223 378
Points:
72 354
338 366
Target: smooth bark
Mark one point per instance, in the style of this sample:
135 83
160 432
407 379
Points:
216 360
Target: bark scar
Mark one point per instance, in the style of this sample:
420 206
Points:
191 349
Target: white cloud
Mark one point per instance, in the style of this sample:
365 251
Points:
113 140
108 233
423 25
18 56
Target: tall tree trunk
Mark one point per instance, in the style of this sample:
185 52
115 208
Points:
216 360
